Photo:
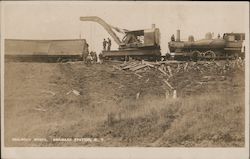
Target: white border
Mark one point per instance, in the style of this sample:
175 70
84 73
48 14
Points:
133 152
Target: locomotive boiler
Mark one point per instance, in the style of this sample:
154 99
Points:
229 46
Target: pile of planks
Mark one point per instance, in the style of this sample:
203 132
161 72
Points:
141 66
171 71
164 68
170 68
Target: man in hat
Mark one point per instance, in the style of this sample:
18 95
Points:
109 44
104 44
172 38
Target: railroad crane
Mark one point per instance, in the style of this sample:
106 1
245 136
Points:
137 44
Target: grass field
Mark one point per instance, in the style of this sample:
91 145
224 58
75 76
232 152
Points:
38 104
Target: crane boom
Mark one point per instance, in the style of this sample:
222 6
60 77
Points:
105 25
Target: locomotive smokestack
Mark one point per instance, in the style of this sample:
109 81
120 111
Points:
178 36
153 26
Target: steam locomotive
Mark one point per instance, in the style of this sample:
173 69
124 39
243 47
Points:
230 46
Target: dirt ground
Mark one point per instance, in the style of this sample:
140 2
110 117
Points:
72 104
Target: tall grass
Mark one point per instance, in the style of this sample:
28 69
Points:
204 120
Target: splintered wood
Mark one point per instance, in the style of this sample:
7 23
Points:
138 67
160 69
138 75
178 68
170 73
168 84
185 67
163 66
169 69
116 67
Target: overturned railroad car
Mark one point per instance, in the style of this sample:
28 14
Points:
44 50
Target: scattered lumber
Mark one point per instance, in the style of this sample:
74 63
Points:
49 92
75 92
168 84
169 70
40 109
150 65
185 67
178 68
165 73
138 95
129 66
138 67
138 75
171 62
116 67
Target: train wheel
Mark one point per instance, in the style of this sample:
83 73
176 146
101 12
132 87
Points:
126 58
196 56
168 57
106 58
210 55
236 56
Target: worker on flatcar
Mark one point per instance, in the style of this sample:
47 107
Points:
104 44
218 36
109 44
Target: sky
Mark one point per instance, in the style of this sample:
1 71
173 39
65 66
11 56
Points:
60 20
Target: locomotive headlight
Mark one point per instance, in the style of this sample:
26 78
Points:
243 46
172 54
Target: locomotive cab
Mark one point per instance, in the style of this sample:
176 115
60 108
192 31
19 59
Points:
234 43
232 37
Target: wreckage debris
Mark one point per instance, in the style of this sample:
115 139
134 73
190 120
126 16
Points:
138 95
39 108
75 92
165 81
48 92
167 67
171 71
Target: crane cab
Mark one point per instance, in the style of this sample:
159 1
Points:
141 38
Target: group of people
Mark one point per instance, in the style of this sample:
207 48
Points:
105 43
88 57
91 57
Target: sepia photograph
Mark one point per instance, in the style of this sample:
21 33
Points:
82 74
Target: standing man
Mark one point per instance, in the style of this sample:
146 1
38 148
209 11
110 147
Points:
104 44
85 50
172 38
94 56
109 44
89 59
218 36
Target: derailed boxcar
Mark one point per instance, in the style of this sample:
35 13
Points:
45 50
